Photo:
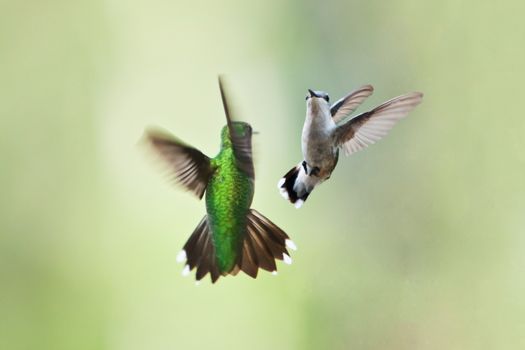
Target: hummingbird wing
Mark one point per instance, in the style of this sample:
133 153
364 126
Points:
241 140
189 166
371 126
345 106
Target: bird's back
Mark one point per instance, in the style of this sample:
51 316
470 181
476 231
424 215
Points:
228 198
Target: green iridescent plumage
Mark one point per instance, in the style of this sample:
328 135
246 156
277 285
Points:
231 237
228 198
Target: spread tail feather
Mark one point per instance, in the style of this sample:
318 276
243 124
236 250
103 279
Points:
263 243
296 186
199 253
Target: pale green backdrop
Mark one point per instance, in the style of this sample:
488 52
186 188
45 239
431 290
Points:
417 242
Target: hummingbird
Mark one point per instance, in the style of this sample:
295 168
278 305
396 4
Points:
231 237
328 128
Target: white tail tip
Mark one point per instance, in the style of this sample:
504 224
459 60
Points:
274 273
290 244
287 259
283 190
299 203
181 256
186 270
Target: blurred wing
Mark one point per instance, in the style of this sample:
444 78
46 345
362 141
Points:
241 141
345 106
189 166
369 127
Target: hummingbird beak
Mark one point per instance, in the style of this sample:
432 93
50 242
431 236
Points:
312 93
255 132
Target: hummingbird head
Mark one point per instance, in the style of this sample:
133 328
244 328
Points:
317 94
317 100
242 129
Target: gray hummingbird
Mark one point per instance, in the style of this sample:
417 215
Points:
327 129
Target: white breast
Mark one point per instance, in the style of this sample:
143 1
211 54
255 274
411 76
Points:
317 142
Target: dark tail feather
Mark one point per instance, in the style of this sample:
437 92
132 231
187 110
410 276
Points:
200 253
287 187
264 242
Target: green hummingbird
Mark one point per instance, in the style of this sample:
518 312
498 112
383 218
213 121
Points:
231 237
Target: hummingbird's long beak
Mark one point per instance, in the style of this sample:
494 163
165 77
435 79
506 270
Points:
255 132
312 93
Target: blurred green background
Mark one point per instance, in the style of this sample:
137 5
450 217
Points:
415 243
